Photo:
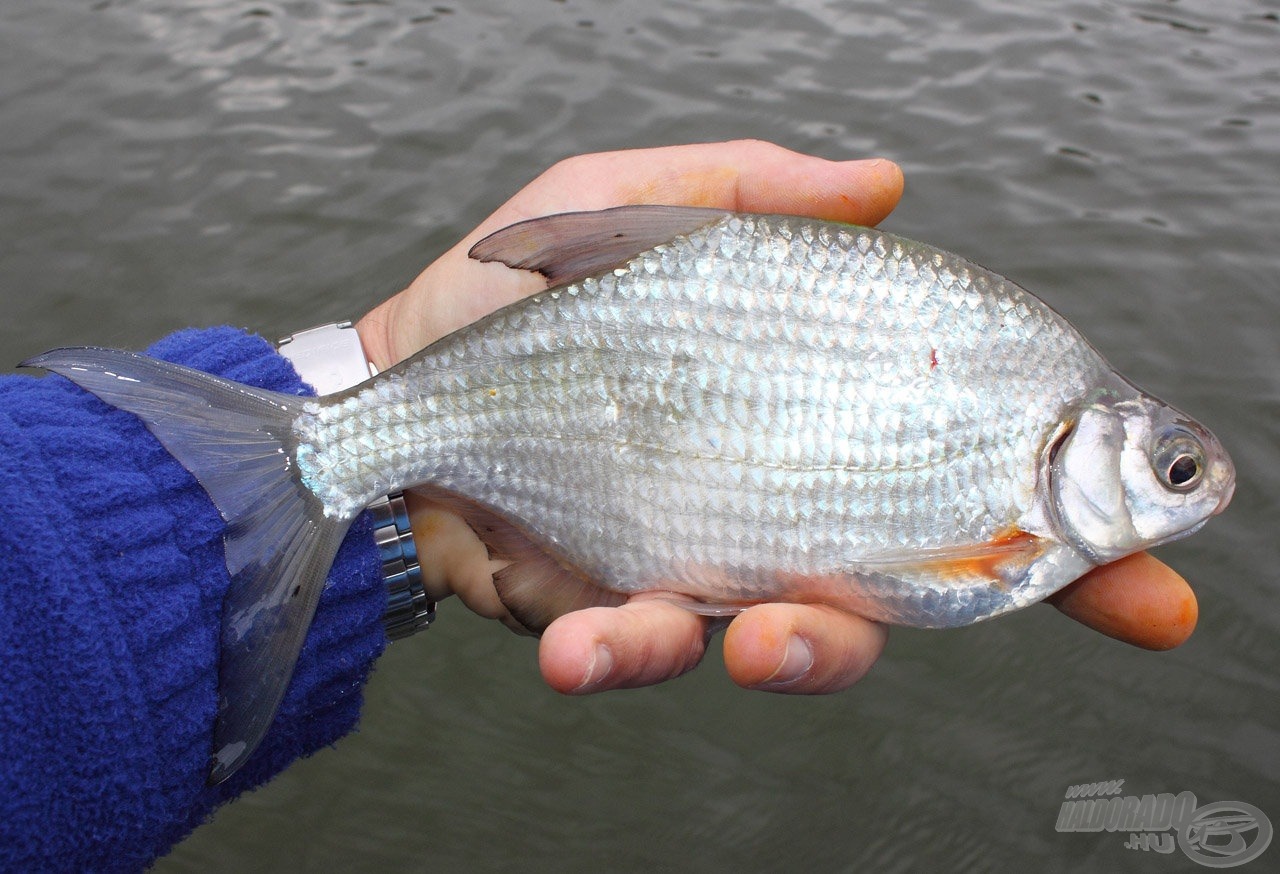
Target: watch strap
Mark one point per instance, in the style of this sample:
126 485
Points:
328 357
409 610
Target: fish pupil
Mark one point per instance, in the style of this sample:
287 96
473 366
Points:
1184 470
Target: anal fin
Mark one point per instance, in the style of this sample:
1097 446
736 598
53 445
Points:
537 589
535 586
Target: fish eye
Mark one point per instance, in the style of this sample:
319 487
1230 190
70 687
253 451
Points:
1178 461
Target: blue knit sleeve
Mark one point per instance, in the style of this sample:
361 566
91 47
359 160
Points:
111 584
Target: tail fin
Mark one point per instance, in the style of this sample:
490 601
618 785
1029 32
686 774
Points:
238 442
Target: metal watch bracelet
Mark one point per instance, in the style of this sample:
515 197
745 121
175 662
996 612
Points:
331 358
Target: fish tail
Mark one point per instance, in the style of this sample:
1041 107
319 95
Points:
239 442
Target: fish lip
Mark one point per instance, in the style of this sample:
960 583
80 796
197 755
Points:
1227 494
1179 535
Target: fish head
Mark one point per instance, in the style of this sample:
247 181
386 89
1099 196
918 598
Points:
1130 472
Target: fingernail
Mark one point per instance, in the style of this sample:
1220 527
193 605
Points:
795 664
598 669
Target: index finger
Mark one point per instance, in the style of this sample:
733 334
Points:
745 175
1139 600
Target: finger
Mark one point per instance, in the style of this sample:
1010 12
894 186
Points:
1139 600
747 175
638 644
453 560
800 649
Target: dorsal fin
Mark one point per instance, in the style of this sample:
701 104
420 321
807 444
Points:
571 246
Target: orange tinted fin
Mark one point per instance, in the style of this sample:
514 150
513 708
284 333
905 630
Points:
998 559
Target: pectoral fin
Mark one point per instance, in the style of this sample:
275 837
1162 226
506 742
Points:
998 563
996 560
571 246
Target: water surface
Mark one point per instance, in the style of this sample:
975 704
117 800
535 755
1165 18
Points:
278 164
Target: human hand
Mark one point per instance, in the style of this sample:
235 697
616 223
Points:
794 648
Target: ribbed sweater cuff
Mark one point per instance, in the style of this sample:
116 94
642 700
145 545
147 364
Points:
111 662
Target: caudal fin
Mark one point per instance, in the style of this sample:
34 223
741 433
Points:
238 442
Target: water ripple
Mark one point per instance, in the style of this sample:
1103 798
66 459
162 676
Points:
282 163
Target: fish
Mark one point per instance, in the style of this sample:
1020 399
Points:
730 407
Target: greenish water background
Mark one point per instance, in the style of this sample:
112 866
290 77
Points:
278 164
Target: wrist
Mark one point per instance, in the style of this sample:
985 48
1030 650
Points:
374 332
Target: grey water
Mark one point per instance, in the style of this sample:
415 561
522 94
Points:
278 164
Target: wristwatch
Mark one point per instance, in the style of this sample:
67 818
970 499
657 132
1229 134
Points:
331 358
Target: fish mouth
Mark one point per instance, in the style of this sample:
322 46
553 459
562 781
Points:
1226 497
1180 534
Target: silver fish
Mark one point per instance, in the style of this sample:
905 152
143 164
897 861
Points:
737 408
